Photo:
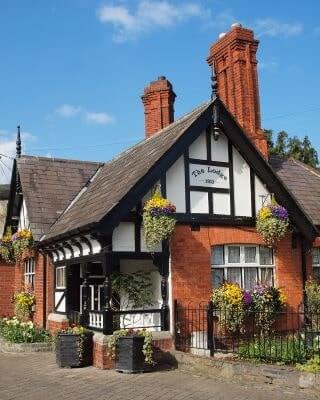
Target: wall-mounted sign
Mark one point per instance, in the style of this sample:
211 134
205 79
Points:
209 176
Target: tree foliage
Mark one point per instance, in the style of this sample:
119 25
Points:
283 145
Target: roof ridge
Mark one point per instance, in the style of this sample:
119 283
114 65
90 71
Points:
57 159
305 166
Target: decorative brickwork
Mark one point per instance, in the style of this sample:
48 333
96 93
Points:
158 100
234 59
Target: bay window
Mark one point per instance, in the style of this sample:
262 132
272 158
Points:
245 265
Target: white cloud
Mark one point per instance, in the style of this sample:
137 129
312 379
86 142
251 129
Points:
266 65
67 111
272 27
99 117
8 151
70 111
148 15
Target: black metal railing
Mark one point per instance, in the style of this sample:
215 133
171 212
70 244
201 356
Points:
285 336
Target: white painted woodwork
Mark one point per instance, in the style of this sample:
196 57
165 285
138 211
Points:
96 246
262 195
199 203
143 319
221 203
23 217
76 250
85 248
144 247
242 189
95 320
198 149
219 149
57 297
209 176
123 237
175 182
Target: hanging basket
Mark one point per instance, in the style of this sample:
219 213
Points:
272 223
158 220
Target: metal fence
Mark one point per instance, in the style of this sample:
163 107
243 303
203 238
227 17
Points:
286 336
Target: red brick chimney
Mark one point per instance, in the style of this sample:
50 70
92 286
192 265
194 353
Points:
235 64
158 100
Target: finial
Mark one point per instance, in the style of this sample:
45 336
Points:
18 143
214 84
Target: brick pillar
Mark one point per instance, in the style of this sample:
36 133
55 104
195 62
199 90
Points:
235 64
158 100
7 273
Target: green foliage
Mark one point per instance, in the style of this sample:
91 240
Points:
16 331
288 350
147 346
23 303
19 246
157 228
286 146
312 289
136 288
6 249
272 229
312 365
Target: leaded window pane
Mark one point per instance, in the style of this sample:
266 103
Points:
250 254
234 254
217 277
266 255
217 255
315 256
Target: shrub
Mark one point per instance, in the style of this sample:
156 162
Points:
312 365
23 303
272 223
158 220
16 331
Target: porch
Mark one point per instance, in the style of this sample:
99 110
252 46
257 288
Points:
87 291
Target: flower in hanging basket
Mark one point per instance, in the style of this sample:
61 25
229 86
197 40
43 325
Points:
158 220
272 223
6 248
21 241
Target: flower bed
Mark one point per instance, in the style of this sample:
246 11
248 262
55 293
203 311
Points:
15 331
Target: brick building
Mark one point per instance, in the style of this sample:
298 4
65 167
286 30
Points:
213 164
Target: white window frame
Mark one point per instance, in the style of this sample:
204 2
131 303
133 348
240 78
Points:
242 264
58 269
29 272
315 265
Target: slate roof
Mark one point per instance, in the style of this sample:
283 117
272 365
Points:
119 175
302 181
49 185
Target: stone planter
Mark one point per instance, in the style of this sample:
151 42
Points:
130 358
74 350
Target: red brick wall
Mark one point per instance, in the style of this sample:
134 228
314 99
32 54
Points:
7 272
191 265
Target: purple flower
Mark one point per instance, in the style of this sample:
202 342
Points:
247 297
279 212
260 289
15 237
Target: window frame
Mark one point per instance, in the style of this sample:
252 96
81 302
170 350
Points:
29 272
242 264
316 265
58 269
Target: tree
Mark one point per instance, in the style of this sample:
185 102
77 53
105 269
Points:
286 146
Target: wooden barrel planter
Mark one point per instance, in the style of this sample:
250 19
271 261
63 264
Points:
130 358
74 350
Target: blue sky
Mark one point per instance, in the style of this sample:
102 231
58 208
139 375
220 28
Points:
72 72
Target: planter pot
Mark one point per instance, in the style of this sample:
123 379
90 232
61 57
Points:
130 358
68 350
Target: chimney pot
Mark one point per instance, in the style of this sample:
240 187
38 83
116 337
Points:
222 34
236 25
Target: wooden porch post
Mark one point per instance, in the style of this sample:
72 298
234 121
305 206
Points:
163 265
85 296
107 290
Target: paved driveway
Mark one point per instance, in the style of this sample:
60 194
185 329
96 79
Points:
36 377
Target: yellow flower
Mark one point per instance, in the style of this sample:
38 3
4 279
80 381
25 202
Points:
264 213
282 296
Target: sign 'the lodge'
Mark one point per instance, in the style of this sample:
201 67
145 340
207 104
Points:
209 176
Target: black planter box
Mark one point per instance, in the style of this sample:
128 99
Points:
67 350
130 358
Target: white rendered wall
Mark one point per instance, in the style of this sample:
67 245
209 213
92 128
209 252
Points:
219 149
199 202
261 195
242 189
123 237
175 180
198 149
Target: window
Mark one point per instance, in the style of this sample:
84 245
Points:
316 263
245 265
61 277
29 272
